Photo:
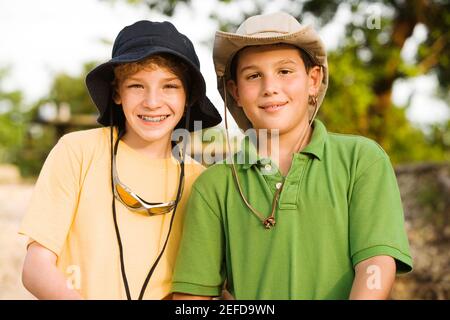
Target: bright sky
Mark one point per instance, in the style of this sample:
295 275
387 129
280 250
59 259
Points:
41 38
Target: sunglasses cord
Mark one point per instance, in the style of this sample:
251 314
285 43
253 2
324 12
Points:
268 222
116 227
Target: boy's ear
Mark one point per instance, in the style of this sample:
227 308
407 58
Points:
233 90
315 80
116 98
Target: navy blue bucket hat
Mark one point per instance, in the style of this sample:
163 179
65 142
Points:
141 40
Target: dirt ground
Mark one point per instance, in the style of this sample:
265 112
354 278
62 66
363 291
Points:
14 199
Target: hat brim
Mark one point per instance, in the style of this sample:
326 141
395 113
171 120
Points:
226 45
98 83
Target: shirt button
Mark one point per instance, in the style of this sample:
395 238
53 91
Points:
268 167
278 185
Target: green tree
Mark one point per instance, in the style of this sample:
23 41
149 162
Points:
72 90
42 134
12 121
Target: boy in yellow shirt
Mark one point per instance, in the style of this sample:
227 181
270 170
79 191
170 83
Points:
107 199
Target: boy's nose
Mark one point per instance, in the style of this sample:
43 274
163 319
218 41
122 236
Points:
270 86
152 99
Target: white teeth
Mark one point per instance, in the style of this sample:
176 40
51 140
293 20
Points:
274 106
153 119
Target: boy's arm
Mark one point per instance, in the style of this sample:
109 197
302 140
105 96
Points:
374 278
42 278
200 265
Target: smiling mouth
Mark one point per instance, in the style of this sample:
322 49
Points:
153 119
273 106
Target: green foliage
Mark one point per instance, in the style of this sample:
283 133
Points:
346 109
25 140
12 122
37 144
362 73
348 96
368 62
41 137
72 90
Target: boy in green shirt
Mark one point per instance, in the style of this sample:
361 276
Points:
320 217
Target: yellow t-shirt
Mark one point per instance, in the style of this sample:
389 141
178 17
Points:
71 214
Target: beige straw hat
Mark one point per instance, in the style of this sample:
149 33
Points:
264 30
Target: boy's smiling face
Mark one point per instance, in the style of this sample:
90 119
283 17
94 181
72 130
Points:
272 86
153 101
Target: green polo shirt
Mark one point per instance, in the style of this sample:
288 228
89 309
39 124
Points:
340 204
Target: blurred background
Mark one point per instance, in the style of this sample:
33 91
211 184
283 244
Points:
389 65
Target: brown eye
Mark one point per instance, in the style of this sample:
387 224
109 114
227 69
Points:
135 86
253 76
285 71
172 86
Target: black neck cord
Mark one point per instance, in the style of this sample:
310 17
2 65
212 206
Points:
116 227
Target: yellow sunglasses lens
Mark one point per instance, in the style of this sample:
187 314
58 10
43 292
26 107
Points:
127 198
160 210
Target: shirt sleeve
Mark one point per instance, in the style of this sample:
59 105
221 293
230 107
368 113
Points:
199 269
376 217
54 200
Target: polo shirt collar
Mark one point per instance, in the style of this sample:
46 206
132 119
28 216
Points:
250 156
318 139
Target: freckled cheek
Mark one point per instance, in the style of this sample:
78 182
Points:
177 100
132 99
